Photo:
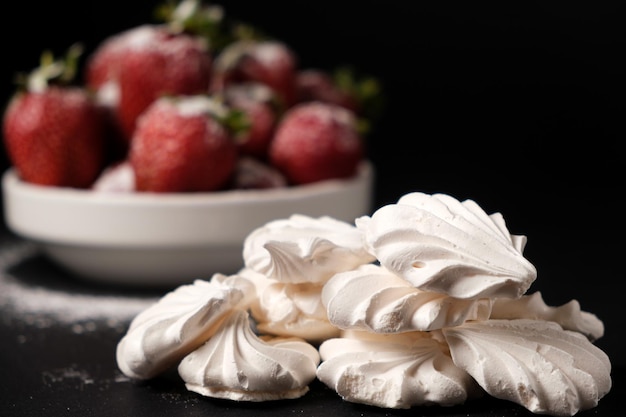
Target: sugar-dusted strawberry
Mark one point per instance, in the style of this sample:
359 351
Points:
317 141
258 102
269 62
181 144
132 69
129 70
53 130
314 84
357 92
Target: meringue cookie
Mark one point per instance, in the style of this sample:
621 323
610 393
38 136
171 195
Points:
235 364
422 303
289 309
401 371
568 315
534 363
304 249
440 244
373 298
260 282
179 322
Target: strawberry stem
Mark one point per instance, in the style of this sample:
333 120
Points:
366 89
236 121
207 21
191 16
61 71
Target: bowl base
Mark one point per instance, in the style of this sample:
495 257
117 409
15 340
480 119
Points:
144 267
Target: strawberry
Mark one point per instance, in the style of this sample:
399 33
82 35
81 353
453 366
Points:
181 144
54 131
361 94
258 103
132 69
268 62
318 85
316 141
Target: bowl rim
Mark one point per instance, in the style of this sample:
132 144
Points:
11 183
66 216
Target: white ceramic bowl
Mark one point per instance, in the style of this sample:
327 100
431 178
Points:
164 239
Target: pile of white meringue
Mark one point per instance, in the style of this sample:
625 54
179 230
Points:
424 302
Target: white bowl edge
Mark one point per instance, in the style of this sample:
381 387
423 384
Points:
112 238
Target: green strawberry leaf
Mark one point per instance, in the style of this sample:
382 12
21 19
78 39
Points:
52 71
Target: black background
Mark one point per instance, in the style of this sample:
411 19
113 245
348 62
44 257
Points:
516 105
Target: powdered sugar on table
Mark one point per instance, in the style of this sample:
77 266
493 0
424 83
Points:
43 306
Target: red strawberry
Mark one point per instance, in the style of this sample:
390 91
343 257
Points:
180 145
361 94
272 63
132 69
318 85
54 133
257 102
316 141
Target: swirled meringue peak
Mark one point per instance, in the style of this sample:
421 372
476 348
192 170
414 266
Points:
440 244
237 365
399 371
304 249
534 363
373 298
179 322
